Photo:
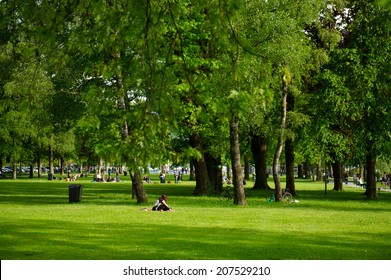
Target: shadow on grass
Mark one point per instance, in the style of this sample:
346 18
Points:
53 239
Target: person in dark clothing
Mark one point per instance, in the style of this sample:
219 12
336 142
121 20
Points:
161 204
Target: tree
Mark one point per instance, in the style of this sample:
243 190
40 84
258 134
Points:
259 152
289 149
24 109
276 43
354 89
369 47
286 81
114 50
327 135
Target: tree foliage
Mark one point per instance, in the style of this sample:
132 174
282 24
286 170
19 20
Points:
140 82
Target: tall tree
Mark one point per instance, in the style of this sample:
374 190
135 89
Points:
369 78
276 43
286 81
239 195
290 151
259 152
354 87
24 107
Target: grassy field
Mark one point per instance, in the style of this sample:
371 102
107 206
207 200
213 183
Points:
37 222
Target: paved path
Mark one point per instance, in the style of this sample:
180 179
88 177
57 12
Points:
351 184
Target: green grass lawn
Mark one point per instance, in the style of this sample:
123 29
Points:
37 222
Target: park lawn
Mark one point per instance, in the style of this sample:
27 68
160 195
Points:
37 222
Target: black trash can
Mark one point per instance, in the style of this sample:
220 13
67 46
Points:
50 176
75 193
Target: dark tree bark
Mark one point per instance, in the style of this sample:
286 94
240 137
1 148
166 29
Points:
237 174
228 171
290 151
31 173
246 168
138 187
201 172
370 191
259 151
51 163
300 173
338 175
290 166
307 170
215 173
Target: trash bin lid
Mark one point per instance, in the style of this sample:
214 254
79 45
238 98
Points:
74 186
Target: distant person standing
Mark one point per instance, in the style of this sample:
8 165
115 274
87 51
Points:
346 177
384 180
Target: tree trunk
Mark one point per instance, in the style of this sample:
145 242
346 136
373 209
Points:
39 163
318 171
300 173
371 177
201 172
306 169
246 168
62 165
228 171
51 163
239 194
137 183
330 170
100 166
14 170
338 176
277 154
31 175
290 151
290 166
215 174
259 151
138 187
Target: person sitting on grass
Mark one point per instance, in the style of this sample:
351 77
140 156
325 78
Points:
74 177
161 204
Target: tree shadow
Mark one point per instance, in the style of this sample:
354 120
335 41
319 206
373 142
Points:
53 239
